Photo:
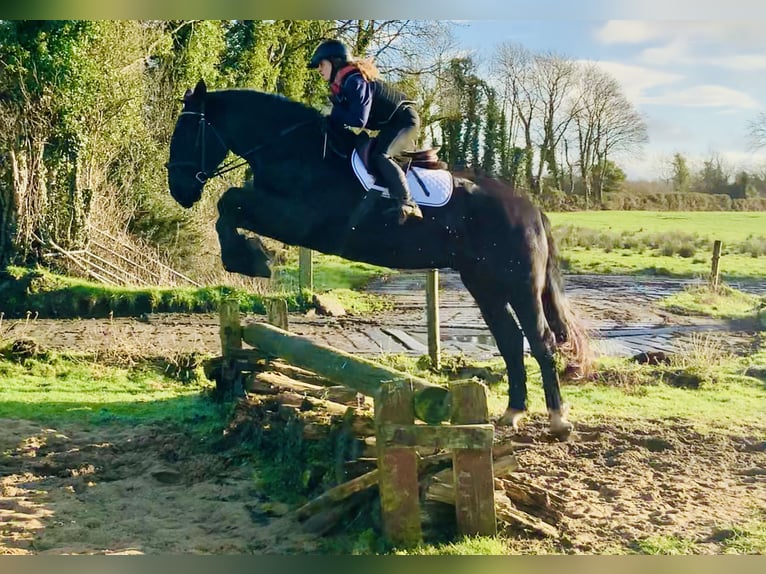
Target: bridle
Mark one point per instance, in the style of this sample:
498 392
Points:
202 176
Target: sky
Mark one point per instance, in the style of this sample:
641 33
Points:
695 69
697 83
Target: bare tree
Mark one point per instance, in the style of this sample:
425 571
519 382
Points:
514 66
553 80
596 90
394 44
605 123
756 131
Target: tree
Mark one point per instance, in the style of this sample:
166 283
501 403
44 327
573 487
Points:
553 80
460 102
680 177
756 131
714 176
512 64
71 106
606 124
491 150
609 176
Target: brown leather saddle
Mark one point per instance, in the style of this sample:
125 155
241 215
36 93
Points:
424 158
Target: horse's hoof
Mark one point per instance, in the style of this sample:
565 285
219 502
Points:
251 267
512 418
560 427
247 257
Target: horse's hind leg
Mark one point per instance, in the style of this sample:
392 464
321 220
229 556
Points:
542 344
239 254
509 339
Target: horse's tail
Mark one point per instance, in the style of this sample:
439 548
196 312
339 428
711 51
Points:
571 336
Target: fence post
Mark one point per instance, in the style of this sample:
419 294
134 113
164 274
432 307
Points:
305 269
276 312
714 267
472 468
432 317
397 467
231 339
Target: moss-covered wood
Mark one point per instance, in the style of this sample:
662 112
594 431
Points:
431 401
473 475
438 436
398 468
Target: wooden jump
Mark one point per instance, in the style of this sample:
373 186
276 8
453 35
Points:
400 400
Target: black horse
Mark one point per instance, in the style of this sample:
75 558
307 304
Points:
302 194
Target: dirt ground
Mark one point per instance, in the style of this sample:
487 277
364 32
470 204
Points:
151 489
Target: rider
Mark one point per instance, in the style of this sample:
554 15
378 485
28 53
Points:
361 100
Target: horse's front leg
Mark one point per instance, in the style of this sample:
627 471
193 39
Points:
240 254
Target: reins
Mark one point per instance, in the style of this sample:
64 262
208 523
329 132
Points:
202 176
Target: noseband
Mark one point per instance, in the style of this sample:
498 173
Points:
202 176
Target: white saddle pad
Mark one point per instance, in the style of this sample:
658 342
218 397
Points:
430 187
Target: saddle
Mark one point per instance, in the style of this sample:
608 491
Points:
424 158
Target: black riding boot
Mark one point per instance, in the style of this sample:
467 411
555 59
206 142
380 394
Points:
397 187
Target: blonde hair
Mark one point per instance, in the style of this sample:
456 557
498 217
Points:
368 68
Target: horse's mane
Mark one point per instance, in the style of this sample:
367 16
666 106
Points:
269 105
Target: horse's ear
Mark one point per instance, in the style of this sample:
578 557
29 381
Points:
187 95
200 89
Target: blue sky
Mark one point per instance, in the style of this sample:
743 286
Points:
696 82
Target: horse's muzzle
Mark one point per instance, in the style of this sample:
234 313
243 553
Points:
186 198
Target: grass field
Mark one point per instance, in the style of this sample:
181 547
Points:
661 243
728 226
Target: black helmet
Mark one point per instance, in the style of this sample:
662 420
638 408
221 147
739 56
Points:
329 49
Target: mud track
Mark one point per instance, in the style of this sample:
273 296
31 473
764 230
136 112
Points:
151 489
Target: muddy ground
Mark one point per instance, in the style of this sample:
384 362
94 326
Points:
150 489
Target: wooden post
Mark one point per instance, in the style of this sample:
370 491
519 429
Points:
231 329
276 311
231 340
305 269
432 317
398 468
474 481
714 267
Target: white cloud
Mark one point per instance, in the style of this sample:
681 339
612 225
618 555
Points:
732 35
635 81
741 62
627 32
704 96
672 53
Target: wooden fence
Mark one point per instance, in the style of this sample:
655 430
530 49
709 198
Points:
410 412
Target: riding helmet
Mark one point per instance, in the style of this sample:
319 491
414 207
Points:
329 49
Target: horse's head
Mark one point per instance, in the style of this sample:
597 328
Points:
196 149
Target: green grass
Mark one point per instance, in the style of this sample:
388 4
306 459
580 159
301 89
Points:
749 538
723 302
38 291
340 277
728 226
661 243
665 546
55 388
626 262
468 546
727 401
330 272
